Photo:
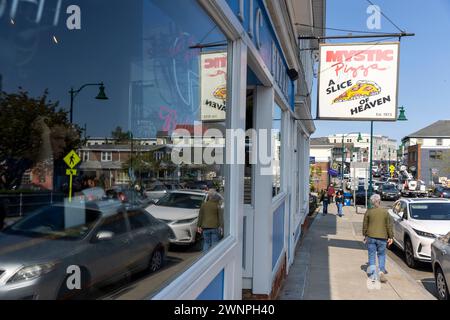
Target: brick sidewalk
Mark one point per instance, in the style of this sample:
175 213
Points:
331 261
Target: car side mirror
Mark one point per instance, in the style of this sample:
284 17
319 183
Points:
104 236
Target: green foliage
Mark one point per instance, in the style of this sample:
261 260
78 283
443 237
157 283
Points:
31 129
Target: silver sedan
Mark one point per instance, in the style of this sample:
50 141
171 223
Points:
61 251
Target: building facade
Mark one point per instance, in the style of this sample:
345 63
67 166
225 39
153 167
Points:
426 152
168 65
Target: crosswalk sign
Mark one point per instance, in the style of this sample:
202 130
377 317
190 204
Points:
392 168
72 159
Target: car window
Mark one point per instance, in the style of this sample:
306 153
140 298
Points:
403 209
115 223
430 211
58 222
181 200
138 219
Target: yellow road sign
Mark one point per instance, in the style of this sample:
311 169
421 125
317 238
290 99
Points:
72 159
71 172
392 168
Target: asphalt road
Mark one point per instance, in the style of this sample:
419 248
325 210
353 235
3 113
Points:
423 274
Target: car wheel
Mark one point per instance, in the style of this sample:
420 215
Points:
156 260
409 254
441 285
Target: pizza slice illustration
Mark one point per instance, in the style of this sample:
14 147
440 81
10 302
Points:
362 89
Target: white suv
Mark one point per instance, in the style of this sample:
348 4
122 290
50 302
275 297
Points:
417 223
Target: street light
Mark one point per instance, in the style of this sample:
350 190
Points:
359 139
401 117
73 93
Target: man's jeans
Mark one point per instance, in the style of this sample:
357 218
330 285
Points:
325 207
376 247
210 238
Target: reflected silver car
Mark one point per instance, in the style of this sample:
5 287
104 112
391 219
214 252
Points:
44 255
440 259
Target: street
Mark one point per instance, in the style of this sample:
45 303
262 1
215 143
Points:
424 272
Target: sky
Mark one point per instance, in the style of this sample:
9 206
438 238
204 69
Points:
424 80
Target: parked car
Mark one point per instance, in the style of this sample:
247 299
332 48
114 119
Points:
103 239
128 196
200 185
157 191
180 209
417 223
389 192
313 203
440 260
441 192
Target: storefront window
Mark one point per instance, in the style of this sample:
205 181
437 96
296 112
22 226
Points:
277 145
91 95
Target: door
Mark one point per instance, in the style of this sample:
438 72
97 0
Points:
399 227
396 216
144 238
110 258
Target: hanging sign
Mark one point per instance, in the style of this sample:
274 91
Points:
358 81
213 86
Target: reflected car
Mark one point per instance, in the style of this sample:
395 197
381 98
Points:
180 210
102 240
440 260
416 224
158 191
128 196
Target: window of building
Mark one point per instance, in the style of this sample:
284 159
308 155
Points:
163 65
85 156
436 154
277 149
439 142
106 156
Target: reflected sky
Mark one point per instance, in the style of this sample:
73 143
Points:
139 49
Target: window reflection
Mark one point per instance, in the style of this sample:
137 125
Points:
164 67
276 140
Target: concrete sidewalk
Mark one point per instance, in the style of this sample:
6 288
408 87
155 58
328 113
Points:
331 261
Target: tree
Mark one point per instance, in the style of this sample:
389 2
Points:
32 131
120 136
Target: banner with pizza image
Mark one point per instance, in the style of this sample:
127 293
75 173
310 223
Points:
213 85
358 81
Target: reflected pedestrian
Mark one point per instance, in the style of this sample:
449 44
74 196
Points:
378 233
210 220
330 192
339 202
325 200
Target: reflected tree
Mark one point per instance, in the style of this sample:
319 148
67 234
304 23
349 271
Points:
33 131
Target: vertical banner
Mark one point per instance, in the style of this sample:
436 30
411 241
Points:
358 81
213 85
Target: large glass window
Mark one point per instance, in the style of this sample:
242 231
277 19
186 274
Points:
91 95
276 148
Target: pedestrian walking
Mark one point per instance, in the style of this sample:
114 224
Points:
330 192
339 202
210 220
325 200
378 233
